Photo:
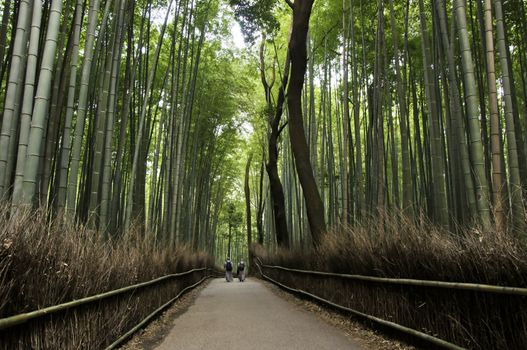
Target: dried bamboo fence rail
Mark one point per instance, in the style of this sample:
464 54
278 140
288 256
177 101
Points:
413 282
320 281
16 320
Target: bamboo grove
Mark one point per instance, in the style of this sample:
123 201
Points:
118 113
112 114
410 107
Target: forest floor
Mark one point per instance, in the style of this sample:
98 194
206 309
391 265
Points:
248 315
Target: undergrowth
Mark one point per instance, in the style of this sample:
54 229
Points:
400 248
44 263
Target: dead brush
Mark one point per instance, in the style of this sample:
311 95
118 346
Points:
44 263
397 247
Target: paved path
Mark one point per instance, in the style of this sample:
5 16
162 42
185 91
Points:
235 316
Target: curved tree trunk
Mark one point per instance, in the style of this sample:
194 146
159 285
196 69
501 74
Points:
297 50
277 191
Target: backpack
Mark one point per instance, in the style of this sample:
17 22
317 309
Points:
241 266
228 266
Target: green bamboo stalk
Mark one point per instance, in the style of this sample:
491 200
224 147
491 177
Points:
359 188
50 154
42 96
460 145
106 187
437 162
99 128
345 119
518 209
27 104
124 118
498 176
183 130
9 119
129 203
403 116
476 145
3 34
71 196
66 137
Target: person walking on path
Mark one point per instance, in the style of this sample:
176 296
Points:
228 270
240 271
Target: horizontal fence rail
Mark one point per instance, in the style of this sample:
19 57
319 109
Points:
410 331
147 319
24 317
487 288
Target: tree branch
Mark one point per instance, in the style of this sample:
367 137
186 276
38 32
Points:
282 128
291 5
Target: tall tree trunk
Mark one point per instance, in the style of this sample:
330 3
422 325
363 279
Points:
297 50
277 191
260 209
248 206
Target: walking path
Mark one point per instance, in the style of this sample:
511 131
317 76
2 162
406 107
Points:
247 315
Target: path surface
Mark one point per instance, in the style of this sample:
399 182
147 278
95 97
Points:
235 316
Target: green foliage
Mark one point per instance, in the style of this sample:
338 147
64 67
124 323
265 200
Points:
256 16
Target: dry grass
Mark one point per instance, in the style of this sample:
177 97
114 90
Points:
402 249
45 263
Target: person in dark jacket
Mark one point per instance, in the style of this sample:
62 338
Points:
240 271
228 270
